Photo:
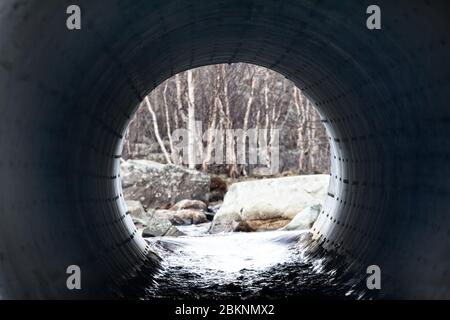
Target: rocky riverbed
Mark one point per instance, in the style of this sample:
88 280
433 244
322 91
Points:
161 199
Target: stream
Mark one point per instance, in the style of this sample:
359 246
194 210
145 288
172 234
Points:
270 265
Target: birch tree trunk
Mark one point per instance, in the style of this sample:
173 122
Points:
179 104
168 126
267 122
301 128
276 114
257 128
243 141
306 135
156 130
126 143
211 130
313 139
191 121
210 136
230 150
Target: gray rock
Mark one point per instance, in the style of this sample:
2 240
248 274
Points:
174 232
135 209
139 223
187 217
158 224
164 222
157 185
138 214
190 204
157 229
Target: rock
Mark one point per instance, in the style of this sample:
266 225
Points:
161 186
135 209
187 217
190 204
259 225
304 219
259 202
138 214
157 229
158 224
174 232
139 223
163 222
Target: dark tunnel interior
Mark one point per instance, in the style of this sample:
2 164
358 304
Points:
66 98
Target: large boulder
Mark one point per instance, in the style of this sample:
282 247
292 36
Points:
157 185
304 219
268 204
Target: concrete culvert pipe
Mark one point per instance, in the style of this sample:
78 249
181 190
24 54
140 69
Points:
66 97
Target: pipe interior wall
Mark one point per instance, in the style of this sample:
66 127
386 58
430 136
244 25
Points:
66 98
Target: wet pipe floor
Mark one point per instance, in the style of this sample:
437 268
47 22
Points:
244 266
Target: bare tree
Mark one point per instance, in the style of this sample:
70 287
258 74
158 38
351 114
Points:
211 130
156 128
168 126
231 97
191 121
243 141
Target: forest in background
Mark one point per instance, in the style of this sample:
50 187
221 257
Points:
235 96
